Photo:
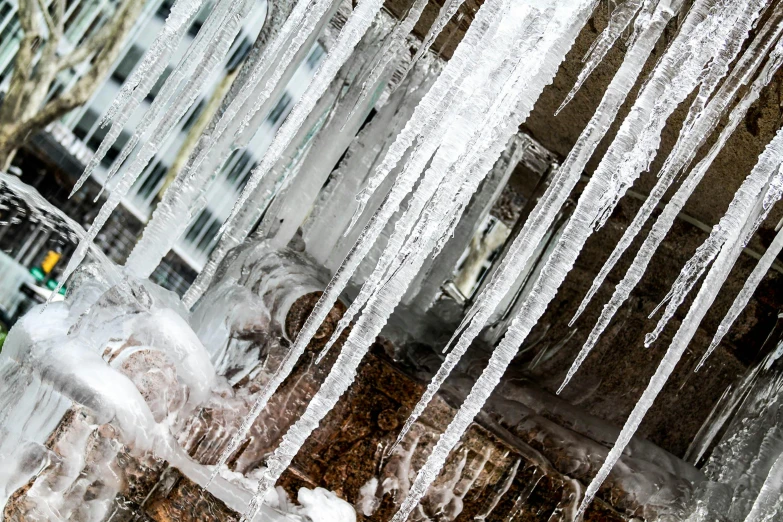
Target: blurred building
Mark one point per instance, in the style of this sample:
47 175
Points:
54 159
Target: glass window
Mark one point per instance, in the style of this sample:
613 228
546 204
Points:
159 84
194 114
281 108
314 58
240 53
239 166
209 236
165 8
85 124
195 229
152 181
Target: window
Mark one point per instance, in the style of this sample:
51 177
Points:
240 54
195 229
159 84
209 236
246 177
127 64
314 58
280 109
152 181
165 8
85 124
239 166
193 116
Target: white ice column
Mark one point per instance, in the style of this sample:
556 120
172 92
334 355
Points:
326 227
336 126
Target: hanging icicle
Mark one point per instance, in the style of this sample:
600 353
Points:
676 74
549 206
741 75
491 10
729 238
739 304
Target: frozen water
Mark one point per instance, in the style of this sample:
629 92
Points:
92 354
679 159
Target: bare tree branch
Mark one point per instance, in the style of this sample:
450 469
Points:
60 16
17 125
47 16
93 43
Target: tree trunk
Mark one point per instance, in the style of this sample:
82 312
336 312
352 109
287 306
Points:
25 111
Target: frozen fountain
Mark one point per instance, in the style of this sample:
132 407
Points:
369 340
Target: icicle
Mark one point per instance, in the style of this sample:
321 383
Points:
723 231
745 294
423 122
210 61
142 80
407 263
439 171
632 150
549 206
404 185
672 209
571 19
620 20
167 222
738 221
378 310
693 136
446 13
391 51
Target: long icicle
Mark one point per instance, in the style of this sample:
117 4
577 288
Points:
738 222
434 130
621 19
211 59
495 117
603 189
426 115
698 264
665 220
408 263
377 311
379 308
649 31
391 51
692 137
142 80
745 294
167 222
570 19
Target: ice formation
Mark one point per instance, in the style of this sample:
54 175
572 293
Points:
709 118
422 179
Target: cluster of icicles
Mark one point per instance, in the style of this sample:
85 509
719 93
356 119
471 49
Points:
511 51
